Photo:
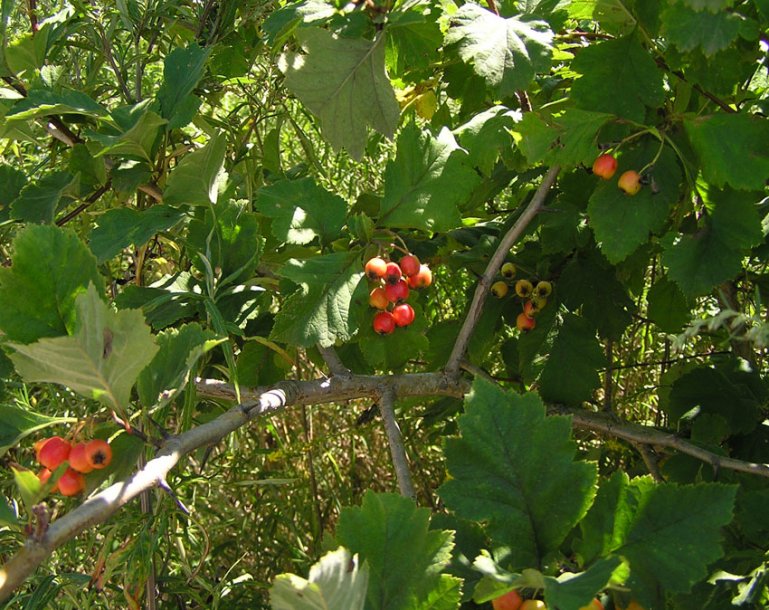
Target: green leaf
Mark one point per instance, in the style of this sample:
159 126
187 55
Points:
426 182
731 149
714 254
619 77
320 311
571 373
404 556
413 39
496 465
17 423
27 52
599 527
182 70
668 308
120 227
506 53
8 516
447 595
200 175
674 533
301 211
13 182
589 282
575 591
178 350
568 139
101 360
343 82
89 171
37 293
486 135
281 23
613 15
709 5
336 581
38 202
228 237
622 222
29 487
706 391
137 141
46 102
688 29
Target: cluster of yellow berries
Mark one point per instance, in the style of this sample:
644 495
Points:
534 296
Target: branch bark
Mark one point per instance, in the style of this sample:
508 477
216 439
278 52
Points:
395 440
257 402
484 284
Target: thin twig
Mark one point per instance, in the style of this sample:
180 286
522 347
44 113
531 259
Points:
395 440
334 362
608 380
650 459
484 284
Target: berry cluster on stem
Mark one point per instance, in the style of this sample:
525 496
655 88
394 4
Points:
81 458
394 282
534 296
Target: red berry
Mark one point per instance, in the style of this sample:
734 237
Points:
384 323
71 483
43 477
410 265
403 314
99 453
630 182
53 452
377 298
509 601
78 459
375 268
524 322
422 279
393 274
530 308
605 166
397 292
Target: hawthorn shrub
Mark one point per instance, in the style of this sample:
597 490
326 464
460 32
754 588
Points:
189 194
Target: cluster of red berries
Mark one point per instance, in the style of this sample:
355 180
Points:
534 297
82 458
395 282
605 166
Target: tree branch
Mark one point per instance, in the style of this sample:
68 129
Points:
261 401
484 284
637 434
257 402
395 440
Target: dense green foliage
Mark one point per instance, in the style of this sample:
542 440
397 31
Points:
190 189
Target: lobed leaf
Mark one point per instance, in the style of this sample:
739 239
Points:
506 443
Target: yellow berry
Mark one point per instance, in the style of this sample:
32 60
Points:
543 289
499 289
508 271
523 288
